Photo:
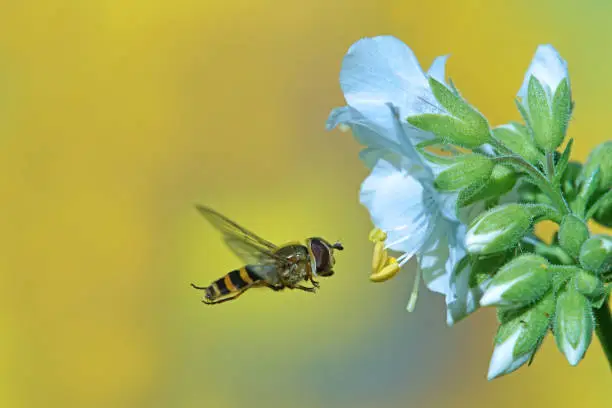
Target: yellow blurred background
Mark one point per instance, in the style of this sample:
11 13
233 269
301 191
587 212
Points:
116 117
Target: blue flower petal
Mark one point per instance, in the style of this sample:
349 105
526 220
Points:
383 70
548 67
398 204
436 71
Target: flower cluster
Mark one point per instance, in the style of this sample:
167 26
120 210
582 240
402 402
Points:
463 197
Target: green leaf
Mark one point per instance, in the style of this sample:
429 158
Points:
600 157
562 163
453 130
541 212
467 169
452 102
540 115
561 275
501 181
587 189
561 111
452 86
601 211
516 137
523 112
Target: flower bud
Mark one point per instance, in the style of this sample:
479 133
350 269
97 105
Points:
600 157
519 335
520 282
498 229
588 284
516 137
573 325
596 253
548 117
466 170
572 233
501 181
603 215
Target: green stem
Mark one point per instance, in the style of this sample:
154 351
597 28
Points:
549 251
603 327
540 179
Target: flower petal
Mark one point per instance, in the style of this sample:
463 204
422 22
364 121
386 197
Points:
436 71
398 205
548 67
433 257
383 70
464 298
367 132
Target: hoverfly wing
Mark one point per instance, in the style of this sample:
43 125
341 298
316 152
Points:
267 272
249 247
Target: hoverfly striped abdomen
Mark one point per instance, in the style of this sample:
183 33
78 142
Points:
233 282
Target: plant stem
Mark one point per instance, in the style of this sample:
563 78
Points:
603 327
553 193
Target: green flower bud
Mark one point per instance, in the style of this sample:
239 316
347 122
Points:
573 325
520 282
588 284
519 335
572 233
516 137
540 115
548 118
468 169
501 181
600 157
603 215
596 253
498 229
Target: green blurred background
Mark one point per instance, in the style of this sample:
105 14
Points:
117 116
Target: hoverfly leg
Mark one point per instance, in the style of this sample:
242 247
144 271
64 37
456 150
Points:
198 287
227 299
271 286
305 289
314 283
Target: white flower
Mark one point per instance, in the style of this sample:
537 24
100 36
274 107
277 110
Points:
381 70
547 67
383 84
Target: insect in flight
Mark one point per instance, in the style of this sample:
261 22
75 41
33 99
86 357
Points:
267 265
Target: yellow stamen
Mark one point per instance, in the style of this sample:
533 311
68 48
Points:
380 256
377 235
387 272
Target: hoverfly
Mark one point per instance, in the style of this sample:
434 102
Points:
266 265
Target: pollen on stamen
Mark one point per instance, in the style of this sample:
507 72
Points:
379 259
377 235
387 272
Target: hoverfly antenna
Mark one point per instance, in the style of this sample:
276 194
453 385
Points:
337 245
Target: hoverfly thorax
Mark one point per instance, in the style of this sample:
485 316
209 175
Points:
322 253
